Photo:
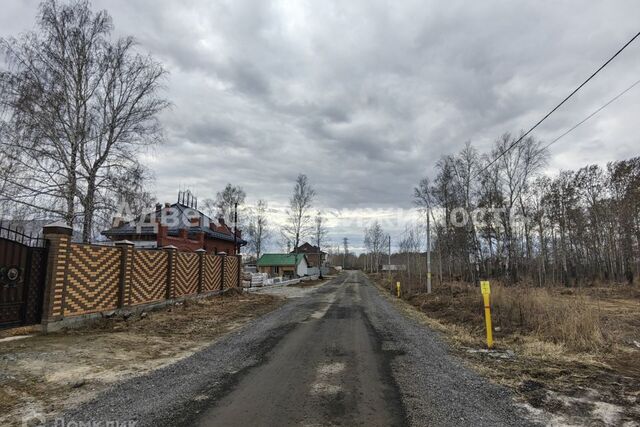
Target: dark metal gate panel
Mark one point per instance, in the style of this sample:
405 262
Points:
22 276
13 266
37 268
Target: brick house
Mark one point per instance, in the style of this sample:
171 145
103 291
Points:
180 225
315 256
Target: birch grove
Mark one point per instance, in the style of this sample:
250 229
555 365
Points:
513 221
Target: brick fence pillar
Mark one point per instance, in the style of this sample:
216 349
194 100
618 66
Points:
58 237
172 253
201 253
126 272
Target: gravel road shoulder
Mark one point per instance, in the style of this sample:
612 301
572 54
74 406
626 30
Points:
437 388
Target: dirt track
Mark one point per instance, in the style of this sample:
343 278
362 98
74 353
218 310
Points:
340 355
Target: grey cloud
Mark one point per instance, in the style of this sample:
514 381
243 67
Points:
364 96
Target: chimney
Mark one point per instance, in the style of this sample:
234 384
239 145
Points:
221 221
167 208
117 221
158 206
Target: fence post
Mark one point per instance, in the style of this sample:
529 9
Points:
126 257
223 258
201 253
171 267
58 236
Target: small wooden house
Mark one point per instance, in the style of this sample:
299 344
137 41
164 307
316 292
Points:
283 265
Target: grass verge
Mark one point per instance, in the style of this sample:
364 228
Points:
45 374
572 356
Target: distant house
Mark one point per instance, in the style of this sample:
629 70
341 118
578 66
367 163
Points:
315 256
283 265
393 267
181 225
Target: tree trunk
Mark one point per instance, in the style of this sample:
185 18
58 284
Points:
88 204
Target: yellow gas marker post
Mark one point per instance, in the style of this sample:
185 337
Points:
486 296
398 289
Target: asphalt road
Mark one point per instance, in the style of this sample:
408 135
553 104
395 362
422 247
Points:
339 355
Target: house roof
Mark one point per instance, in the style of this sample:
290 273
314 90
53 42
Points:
182 219
308 248
267 260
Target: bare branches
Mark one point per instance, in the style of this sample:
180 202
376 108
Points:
299 223
77 108
569 228
225 202
320 230
374 240
258 229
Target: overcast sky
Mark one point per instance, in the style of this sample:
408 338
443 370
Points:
364 96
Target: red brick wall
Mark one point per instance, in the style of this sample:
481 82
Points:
185 244
217 246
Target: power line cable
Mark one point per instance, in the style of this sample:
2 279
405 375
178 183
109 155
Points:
611 101
559 105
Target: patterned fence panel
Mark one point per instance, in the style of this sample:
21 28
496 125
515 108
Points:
186 275
231 272
93 279
212 272
149 282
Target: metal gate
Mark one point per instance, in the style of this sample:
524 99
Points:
23 261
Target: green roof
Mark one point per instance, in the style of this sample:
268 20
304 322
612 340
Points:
279 259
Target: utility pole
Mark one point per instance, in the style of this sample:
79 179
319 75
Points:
345 241
428 253
235 228
389 260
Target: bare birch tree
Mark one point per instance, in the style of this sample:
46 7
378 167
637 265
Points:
258 229
320 233
376 238
571 228
225 202
299 222
77 109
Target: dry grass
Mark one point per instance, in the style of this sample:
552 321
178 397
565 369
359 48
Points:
47 373
568 320
573 319
575 350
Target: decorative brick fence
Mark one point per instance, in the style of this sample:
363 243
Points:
85 279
